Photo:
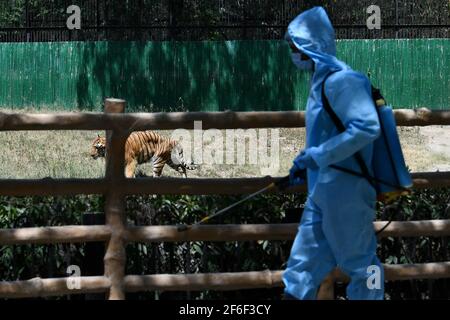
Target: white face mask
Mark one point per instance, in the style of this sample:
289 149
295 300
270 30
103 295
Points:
302 64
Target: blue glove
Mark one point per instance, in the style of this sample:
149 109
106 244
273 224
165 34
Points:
305 161
297 176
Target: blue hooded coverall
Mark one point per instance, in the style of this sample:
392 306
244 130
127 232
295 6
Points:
336 229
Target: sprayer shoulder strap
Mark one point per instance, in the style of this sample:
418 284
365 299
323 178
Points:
341 128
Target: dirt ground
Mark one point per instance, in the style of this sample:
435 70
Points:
437 142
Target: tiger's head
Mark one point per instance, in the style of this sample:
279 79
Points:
98 147
179 162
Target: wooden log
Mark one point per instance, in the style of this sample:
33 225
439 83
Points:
115 256
49 186
282 231
424 180
417 271
38 287
422 228
168 185
217 120
48 235
178 120
113 105
215 281
229 232
115 143
431 270
421 117
205 281
266 279
150 121
94 252
190 186
163 185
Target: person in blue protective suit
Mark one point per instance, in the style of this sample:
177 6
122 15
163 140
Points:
336 229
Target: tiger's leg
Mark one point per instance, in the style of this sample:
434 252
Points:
158 165
184 172
178 168
130 169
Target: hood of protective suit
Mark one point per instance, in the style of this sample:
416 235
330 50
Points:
312 33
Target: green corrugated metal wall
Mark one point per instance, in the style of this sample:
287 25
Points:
236 75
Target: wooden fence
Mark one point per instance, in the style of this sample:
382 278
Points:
115 187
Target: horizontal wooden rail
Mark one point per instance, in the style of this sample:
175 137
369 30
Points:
167 185
176 120
423 180
281 231
223 232
422 228
50 186
48 235
38 287
417 271
266 279
201 281
421 117
205 281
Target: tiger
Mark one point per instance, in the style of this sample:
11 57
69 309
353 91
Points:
145 146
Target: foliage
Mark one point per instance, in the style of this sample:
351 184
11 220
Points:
27 261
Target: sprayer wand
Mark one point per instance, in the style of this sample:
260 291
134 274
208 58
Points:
281 184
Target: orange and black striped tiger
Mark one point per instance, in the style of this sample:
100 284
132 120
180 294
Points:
145 146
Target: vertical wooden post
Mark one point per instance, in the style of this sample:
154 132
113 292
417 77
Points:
115 257
92 264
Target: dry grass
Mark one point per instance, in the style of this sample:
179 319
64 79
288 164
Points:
65 154
418 144
38 154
